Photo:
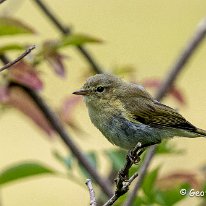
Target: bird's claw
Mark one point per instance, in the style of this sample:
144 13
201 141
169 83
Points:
134 157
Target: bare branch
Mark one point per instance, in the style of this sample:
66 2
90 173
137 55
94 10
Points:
66 31
182 59
1 1
141 175
124 189
175 70
10 64
91 192
123 181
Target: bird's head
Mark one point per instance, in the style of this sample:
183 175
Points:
100 89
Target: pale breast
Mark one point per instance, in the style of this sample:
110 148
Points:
122 132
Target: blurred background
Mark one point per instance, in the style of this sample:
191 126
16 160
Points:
140 41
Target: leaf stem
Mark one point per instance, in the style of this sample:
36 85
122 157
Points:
66 31
19 58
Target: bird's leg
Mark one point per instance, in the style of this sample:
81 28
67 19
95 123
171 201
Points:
140 152
123 174
133 157
144 146
134 154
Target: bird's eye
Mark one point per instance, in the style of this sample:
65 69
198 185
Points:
100 89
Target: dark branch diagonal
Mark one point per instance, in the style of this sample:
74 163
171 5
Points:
66 31
19 58
170 78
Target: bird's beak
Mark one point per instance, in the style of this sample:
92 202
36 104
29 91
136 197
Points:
83 92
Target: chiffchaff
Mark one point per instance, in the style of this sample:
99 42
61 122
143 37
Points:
126 113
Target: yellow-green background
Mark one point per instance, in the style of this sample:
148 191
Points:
145 34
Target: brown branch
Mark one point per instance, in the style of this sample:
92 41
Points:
66 31
170 78
141 176
65 137
123 181
182 59
91 192
124 189
123 175
19 58
1 1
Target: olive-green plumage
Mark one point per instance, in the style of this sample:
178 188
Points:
127 114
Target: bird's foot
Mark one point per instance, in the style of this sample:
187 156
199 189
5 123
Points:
134 157
134 154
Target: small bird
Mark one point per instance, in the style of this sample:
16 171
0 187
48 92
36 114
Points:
126 113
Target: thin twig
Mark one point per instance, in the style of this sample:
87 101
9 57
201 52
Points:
59 128
123 181
123 174
19 58
141 175
66 31
175 70
182 59
1 1
91 193
117 194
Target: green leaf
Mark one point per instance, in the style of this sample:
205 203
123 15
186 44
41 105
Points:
66 161
122 70
23 170
117 158
10 26
172 195
12 47
167 147
77 40
149 182
139 201
92 158
50 47
204 189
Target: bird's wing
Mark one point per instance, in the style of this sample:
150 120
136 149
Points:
155 114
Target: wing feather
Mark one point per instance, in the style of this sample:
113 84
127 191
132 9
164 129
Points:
155 114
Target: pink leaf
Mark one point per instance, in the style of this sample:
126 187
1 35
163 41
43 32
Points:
151 83
3 94
174 91
22 101
25 74
66 111
54 58
56 62
179 177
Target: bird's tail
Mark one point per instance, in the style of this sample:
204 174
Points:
201 132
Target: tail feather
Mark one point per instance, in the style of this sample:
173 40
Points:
201 132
